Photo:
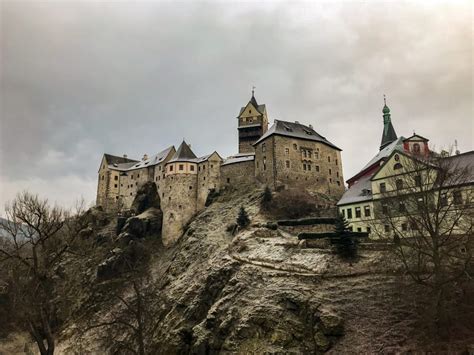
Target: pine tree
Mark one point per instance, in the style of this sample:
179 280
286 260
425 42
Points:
267 197
243 218
343 242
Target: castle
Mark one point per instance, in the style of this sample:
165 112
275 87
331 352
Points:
286 155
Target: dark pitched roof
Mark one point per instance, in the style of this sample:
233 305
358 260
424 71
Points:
415 136
295 130
388 135
463 161
112 159
184 153
253 101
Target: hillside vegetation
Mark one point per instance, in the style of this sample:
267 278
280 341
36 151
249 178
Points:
223 289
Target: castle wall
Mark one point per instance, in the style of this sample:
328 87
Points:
209 173
179 205
293 162
238 175
108 187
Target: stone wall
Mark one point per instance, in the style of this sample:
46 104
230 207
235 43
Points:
238 175
209 174
178 205
300 163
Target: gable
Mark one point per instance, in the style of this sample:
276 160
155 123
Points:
103 164
249 111
389 169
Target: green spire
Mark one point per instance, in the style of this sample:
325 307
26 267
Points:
389 134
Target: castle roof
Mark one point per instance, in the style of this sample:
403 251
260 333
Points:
130 164
295 130
239 158
184 153
206 157
113 159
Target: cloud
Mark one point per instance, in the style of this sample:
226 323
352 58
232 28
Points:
82 78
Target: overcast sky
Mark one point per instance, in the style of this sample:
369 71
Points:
82 78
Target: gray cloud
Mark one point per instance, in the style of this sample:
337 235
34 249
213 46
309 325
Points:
82 78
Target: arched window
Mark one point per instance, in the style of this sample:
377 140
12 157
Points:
416 148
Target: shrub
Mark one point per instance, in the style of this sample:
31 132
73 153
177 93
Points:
293 203
243 218
343 242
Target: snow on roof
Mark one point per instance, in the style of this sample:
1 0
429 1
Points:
153 160
360 191
385 152
239 158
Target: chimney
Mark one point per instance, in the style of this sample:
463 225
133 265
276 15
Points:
125 156
145 157
310 126
297 122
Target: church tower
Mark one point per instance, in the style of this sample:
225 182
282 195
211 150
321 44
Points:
388 135
253 123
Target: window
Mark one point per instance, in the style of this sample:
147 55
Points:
115 177
309 154
367 211
402 207
349 213
287 163
329 159
413 226
416 148
338 183
330 172
343 213
264 163
397 166
404 227
387 228
336 161
138 175
443 200
131 177
191 167
190 187
115 185
385 209
368 230
228 180
287 151
337 173
399 183
103 177
204 167
263 148
418 180
316 155
359 229
304 167
295 146
457 197
171 167
358 212
181 166
304 153
212 165
330 179
309 167
317 168
383 188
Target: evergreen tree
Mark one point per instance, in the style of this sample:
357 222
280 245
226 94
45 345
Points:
243 218
344 243
267 197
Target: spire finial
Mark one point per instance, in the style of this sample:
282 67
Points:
253 90
384 99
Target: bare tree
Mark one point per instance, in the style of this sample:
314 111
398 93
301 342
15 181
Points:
130 325
35 246
427 203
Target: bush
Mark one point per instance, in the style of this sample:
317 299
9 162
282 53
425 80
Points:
344 242
243 218
293 203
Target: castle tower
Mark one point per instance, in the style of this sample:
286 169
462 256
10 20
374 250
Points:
388 135
253 123
179 196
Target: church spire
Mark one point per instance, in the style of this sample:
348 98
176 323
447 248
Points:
388 135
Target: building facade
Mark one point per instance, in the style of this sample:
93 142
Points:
386 197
